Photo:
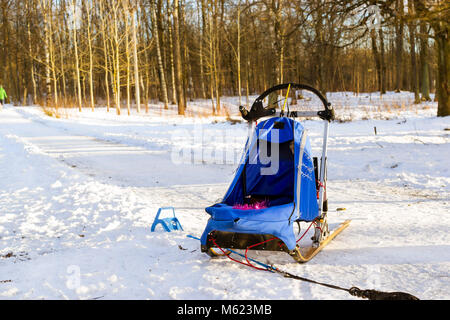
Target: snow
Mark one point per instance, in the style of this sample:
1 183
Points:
78 195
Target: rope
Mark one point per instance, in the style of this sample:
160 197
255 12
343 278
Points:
285 99
227 254
254 245
305 232
369 294
249 264
355 291
292 276
324 188
317 227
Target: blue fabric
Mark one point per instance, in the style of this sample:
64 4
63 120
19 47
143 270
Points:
285 130
308 207
272 220
280 188
279 184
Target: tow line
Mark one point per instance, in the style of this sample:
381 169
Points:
354 291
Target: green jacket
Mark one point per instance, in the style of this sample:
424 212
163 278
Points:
3 94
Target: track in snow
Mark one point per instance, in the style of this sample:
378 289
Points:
91 209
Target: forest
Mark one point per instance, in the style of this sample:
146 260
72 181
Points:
126 54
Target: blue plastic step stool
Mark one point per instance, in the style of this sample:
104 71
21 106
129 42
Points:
168 224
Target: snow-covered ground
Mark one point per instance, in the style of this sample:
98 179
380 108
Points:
78 195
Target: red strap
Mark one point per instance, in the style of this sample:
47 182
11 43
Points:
249 264
305 232
228 254
254 245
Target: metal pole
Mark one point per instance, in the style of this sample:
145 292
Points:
323 225
322 166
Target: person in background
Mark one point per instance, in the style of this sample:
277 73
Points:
3 95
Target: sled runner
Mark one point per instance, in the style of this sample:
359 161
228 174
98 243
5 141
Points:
305 254
277 185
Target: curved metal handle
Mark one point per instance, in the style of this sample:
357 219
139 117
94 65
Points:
258 111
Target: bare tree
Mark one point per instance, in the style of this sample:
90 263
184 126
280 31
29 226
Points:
210 48
162 76
178 67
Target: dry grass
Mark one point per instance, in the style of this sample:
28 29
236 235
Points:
386 110
346 111
54 110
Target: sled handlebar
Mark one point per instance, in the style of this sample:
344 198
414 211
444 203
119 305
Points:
258 111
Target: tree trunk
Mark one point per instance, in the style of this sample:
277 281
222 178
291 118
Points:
239 52
77 67
137 91
201 29
179 71
382 62
443 53
105 55
116 58
376 56
30 51
47 55
424 68
91 57
162 76
211 63
172 66
399 46
127 54
185 56
412 43
215 56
